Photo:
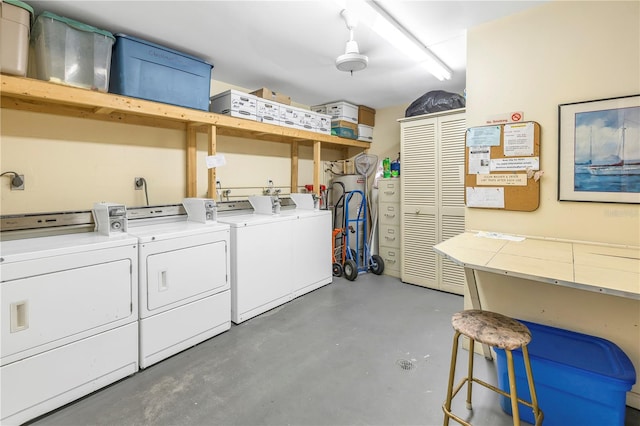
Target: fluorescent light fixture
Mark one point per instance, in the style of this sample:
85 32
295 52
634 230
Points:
375 16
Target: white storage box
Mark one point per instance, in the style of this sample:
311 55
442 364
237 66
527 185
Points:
15 25
291 117
365 133
308 119
267 111
235 103
323 124
342 111
72 53
320 109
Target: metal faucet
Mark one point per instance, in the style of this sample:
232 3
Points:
275 201
269 189
219 189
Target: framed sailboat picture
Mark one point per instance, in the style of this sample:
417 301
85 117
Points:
599 158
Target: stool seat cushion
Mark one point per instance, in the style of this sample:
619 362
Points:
491 328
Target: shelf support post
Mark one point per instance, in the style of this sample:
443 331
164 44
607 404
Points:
192 169
294 166
212 137
317 166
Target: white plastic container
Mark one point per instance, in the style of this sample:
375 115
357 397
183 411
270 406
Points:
365 133
15 25
72 53
235 103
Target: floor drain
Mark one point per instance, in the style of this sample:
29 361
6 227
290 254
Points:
405 364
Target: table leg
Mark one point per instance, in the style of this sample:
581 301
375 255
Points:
472 285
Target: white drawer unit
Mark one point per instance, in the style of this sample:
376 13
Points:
389 224
184 285
71 309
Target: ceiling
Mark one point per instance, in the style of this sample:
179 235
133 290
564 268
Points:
291 46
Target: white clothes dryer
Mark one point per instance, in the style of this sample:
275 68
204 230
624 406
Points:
69 309
184 284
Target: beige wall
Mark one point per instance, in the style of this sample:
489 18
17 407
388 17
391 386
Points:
557 53
70 163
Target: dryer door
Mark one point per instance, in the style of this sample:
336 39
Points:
175 277
50 310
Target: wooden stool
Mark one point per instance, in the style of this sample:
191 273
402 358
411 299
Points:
497 331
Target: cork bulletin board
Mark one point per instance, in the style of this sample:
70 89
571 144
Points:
502 166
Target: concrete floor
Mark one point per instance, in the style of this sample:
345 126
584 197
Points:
370 352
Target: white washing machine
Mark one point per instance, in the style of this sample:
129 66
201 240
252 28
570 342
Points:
311 245
69 309
260 259
184 283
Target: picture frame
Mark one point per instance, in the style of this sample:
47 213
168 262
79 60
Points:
599 150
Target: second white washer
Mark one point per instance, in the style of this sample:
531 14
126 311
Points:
260 261
311 245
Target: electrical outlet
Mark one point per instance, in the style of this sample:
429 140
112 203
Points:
138 183
19 187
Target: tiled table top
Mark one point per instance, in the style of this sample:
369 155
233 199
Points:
594 267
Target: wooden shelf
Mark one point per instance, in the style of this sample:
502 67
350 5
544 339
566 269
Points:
39 96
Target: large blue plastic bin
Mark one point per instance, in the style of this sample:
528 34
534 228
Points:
580 379
146 70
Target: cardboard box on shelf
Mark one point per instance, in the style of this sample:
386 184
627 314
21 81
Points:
342 111
366 115
324 123
270 95
345 124
234 103
320 109
267 111
291 117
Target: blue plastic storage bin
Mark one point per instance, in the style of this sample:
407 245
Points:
580 379
146 70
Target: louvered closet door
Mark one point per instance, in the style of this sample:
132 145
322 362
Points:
452 130
418 198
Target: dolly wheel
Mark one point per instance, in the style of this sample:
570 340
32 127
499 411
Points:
350 270
377 264
337 270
